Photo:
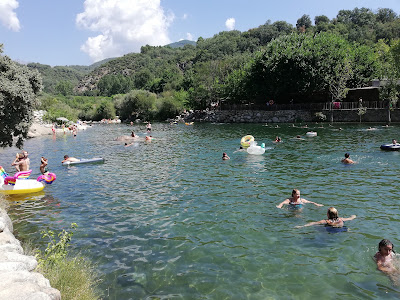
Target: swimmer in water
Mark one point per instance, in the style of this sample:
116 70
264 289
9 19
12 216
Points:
384 257
347 159
332 221
277 140
296 200
225 156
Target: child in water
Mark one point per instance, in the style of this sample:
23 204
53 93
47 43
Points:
43 166
225 156
384 257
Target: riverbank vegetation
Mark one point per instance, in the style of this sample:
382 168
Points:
73 276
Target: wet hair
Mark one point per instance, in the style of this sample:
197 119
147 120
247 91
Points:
384 243
295 191
224 154
347 155
66 156
333 213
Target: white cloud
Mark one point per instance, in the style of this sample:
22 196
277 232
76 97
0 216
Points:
123 26
189 36
7 15
230 23
185 16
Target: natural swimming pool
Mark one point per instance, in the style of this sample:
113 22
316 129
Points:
171 219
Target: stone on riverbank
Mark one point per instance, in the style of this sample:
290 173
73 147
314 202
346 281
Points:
17 279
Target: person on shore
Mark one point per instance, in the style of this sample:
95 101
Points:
21 162
43 166
67 158
332 221
225 156
296 201
384 257
347 159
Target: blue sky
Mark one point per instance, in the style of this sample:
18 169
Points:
80 32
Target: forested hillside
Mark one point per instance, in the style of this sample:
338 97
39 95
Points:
316 60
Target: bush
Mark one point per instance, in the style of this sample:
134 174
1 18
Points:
74 277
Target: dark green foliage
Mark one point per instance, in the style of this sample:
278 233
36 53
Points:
18 89
299 67
136 104
114 84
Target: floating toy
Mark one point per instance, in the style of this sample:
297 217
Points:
256 150
190 123
21 184
391 147
246 140
311 133
48 178
84 161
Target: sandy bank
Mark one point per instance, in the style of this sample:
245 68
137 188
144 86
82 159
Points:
37 129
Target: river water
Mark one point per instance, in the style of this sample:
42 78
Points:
170 219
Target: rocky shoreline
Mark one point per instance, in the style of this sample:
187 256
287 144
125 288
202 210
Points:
18 280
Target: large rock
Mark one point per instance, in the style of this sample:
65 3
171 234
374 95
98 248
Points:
29 261
6 220
6 237
11 248
9 278
29 291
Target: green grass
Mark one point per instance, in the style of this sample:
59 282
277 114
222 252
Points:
75 278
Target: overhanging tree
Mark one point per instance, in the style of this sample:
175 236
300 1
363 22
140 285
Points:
19 87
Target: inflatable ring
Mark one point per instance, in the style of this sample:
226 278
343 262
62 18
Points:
246 140
311 133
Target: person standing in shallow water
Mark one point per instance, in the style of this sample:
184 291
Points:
296 200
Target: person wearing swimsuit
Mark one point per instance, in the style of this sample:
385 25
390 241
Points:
296 200
332 221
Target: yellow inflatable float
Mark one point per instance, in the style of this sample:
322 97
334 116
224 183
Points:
246 140
20 184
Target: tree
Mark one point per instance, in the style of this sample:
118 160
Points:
19 87
304 23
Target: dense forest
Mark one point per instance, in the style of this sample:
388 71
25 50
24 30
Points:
314 61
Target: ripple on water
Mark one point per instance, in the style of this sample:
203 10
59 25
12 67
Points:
171 219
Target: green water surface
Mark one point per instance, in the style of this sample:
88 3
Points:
170 219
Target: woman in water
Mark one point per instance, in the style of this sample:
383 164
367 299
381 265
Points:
384 257
333 219
296 201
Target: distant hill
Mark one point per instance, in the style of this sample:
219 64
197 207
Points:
74 73
181 43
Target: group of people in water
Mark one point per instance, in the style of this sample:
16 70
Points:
384 258
22 163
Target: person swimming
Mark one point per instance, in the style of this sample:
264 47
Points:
384 257
225 156
332 221
296 201
347 159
